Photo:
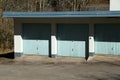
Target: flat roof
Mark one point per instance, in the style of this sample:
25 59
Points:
76 14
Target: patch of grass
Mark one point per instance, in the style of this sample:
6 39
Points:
49 63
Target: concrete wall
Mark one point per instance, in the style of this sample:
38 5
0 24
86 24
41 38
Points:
114 5
53 40
18 41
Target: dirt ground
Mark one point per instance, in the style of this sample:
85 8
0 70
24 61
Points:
43 68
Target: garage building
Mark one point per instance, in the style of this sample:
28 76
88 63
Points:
72 34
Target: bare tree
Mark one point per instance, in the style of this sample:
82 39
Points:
54 5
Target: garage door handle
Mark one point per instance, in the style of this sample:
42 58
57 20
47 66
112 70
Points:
112 48
72 49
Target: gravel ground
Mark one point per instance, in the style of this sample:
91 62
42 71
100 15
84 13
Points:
37 68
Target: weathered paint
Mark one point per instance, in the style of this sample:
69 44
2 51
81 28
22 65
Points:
107 39
72 39
36 38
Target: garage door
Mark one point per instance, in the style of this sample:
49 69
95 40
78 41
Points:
107 39
72 39
36 38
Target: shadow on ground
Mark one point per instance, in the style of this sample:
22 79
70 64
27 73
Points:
9 55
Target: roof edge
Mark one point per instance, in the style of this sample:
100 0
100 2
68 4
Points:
76 14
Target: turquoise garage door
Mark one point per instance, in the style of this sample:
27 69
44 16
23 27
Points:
107 39
72 39
36 38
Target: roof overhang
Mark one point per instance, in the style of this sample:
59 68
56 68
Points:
80 14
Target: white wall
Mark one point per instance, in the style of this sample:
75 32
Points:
18 44
114 5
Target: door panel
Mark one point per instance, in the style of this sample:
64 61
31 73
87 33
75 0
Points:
72 39
107 39
36 38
